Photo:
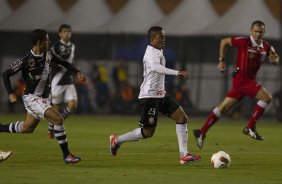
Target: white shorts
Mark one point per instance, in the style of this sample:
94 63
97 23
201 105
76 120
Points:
63 93
36 105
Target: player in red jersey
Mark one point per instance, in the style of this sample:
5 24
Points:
251 51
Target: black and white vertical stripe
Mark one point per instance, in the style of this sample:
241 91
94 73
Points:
16 127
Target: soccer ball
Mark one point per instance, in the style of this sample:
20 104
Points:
220 160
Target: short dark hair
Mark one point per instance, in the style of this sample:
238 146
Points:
64 26
38 35
152 31
258 23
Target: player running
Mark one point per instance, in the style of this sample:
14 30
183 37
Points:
64 96
35 67
251 52
153 98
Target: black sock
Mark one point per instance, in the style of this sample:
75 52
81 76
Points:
66 112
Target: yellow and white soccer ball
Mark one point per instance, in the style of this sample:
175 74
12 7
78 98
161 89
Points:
220 160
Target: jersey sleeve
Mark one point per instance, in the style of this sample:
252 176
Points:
59 60
13 69
154 62
238 41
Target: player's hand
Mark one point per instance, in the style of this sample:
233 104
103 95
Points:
183 74
273 58
81 77
13 97
221 66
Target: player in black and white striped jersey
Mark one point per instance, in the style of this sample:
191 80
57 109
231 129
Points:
64 96
35 68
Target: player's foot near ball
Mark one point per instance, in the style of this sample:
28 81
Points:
199 138
189 158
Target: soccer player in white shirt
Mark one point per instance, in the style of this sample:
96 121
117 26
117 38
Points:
153 99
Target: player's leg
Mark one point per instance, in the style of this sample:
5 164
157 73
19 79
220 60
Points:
222 108
70 99
35 109
264 99
57 97
148 123
62 94
51 125
53 116
213 117
26 126
173 110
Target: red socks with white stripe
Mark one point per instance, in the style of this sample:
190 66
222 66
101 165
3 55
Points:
258 111
213 117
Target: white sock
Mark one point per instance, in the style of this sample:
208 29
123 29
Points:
182 136
133 135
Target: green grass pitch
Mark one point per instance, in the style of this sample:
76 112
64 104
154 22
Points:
39 160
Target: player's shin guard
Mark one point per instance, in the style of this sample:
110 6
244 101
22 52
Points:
182 137
258 112
213 117
66 112
15 127
134 135
60 134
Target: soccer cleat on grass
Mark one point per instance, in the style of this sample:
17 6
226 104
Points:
50 135
189 158
4 155
72 159
199 138
253 133
113 145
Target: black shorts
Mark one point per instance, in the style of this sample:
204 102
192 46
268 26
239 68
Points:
151 106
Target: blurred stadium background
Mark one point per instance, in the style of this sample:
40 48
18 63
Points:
110 38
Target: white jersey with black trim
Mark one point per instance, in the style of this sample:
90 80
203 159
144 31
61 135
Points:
154 74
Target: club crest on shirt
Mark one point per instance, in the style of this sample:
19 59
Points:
62 48
31 63
251 55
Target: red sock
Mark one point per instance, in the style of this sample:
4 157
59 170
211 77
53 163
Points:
210 121
258 111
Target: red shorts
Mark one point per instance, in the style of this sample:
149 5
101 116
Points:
243 87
